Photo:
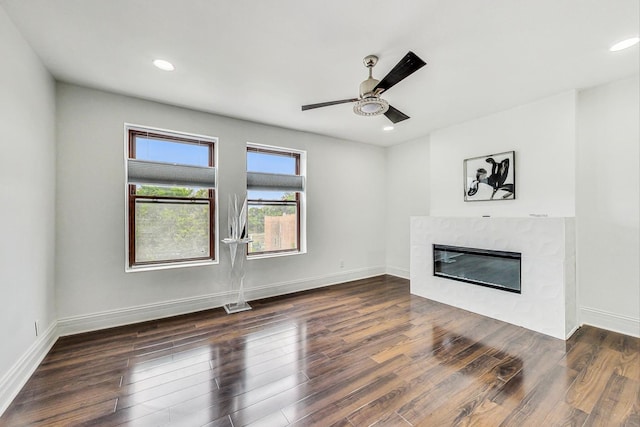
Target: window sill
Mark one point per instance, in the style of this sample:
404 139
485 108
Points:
169 266
275 255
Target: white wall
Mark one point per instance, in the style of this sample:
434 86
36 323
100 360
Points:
543 137
607 204
27 192
407 196
345 185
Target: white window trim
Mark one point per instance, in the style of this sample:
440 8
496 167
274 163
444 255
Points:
303 202
175 264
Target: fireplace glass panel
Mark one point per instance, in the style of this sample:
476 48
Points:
494 269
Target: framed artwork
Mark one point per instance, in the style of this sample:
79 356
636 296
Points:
490 177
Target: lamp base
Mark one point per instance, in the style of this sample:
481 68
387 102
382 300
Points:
236 307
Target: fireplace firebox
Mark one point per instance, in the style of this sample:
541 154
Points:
493 269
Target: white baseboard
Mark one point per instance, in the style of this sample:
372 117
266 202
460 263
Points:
125 316
398 272
283 288
13 381
141 313
611 321
571 332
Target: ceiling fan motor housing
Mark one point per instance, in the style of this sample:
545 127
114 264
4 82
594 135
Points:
367 87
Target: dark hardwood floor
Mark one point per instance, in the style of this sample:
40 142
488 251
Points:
356 354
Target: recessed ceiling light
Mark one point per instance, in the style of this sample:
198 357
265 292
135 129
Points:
624 44
164 65
387 128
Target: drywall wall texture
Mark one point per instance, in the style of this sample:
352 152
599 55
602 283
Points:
345 186
542 134
27 192
607 204
407 196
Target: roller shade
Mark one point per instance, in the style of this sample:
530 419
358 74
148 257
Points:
145 172
274 182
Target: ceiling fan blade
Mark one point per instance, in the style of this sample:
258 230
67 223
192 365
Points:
326 104
403 69
395 115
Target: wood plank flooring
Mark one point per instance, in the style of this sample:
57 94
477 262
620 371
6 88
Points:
356 354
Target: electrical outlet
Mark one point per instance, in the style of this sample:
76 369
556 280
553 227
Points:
37 326
341 263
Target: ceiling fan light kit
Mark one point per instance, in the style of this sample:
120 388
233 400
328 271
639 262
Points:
373 106
369 103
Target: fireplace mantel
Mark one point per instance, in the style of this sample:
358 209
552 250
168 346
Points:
547 303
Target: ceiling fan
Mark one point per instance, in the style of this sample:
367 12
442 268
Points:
369 103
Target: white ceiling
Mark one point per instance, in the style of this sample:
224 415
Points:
261 60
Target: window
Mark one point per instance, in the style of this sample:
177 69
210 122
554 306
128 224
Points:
275 198
171 198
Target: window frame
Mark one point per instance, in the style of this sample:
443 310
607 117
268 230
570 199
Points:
131 133
299 202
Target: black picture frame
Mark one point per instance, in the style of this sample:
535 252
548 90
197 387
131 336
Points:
491 177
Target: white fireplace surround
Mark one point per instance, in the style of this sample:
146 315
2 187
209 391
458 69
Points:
547 303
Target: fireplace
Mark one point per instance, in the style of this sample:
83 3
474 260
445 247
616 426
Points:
484 267
547 301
